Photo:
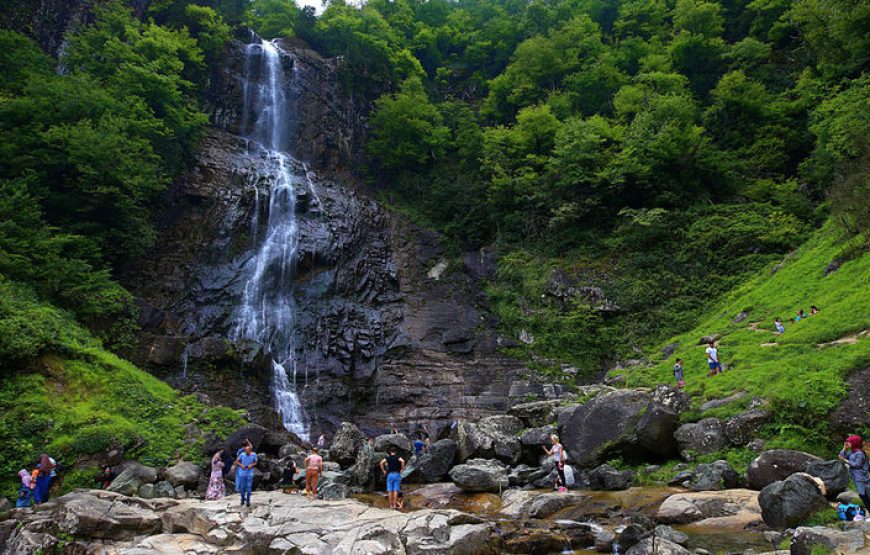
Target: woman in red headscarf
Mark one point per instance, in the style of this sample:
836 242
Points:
855 458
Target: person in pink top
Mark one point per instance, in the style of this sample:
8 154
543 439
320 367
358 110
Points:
313 468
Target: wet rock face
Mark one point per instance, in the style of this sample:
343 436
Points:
380 337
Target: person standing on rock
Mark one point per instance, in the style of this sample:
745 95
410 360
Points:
392 467
216 488
313 469
855 458
245 473
713 360
558 454
25 491
245 443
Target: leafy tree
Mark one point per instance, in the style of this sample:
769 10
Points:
273 18
406 129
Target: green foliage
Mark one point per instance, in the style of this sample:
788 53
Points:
825 517
273 18
406 129
801 375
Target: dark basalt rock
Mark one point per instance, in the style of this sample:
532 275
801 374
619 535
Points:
384 326
790 502
775 465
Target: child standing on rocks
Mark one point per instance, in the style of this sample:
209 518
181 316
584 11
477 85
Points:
678 373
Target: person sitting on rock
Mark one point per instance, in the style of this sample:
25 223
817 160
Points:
778 324
392 466
400 500
558 454
287 479
855 458
313 469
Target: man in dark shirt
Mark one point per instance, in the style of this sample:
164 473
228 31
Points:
392 467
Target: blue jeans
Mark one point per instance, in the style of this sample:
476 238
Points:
246 483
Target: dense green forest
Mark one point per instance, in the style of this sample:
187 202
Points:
664 151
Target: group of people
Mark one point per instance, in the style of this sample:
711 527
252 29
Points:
35 485
801 315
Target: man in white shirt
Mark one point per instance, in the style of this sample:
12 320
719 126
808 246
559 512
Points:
713 360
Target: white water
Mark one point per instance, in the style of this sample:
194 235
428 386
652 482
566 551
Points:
266 313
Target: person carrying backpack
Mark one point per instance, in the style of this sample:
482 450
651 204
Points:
855 458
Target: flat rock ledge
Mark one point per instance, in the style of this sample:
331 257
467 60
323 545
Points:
93 521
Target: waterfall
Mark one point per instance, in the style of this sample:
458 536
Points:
266 313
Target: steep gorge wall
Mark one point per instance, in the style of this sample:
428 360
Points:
388 329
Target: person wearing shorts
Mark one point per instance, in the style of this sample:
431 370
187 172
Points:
392 467
313 469
713 360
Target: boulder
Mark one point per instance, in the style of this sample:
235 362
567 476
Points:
701 438
146 491
790 502
365 472
683 479
146 474
659 546
716 403
494 437
480 475
632 534
806 540
532 440
849 496
164 489
125 483
346 443
252 432
535 414
333 485
604 425
433 466
605 477
729 509
715 476
834 474
666 532
184 474
775 465
534 504
655 430
400 442
741 429
672 398
523 475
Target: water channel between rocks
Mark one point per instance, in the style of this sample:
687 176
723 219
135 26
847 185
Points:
606 508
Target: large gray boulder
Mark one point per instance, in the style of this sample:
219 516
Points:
346 443
433 466
532 440
607 478
744 427
604 425
494 437
834 474
365 472
791 502
400 442
132 476
659 546
701 438
715 476
536 414
830 540
185 474
775 465
655 430
479 475
252 432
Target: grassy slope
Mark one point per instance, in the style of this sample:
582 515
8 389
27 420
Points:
76 399
803 380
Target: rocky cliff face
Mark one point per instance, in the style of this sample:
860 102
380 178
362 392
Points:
387 327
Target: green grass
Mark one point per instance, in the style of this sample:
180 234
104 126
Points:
75 400
803 381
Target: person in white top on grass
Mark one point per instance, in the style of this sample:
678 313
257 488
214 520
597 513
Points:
713 360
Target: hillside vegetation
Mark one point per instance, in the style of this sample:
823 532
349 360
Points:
801 372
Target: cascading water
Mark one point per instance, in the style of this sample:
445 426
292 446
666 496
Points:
266 313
